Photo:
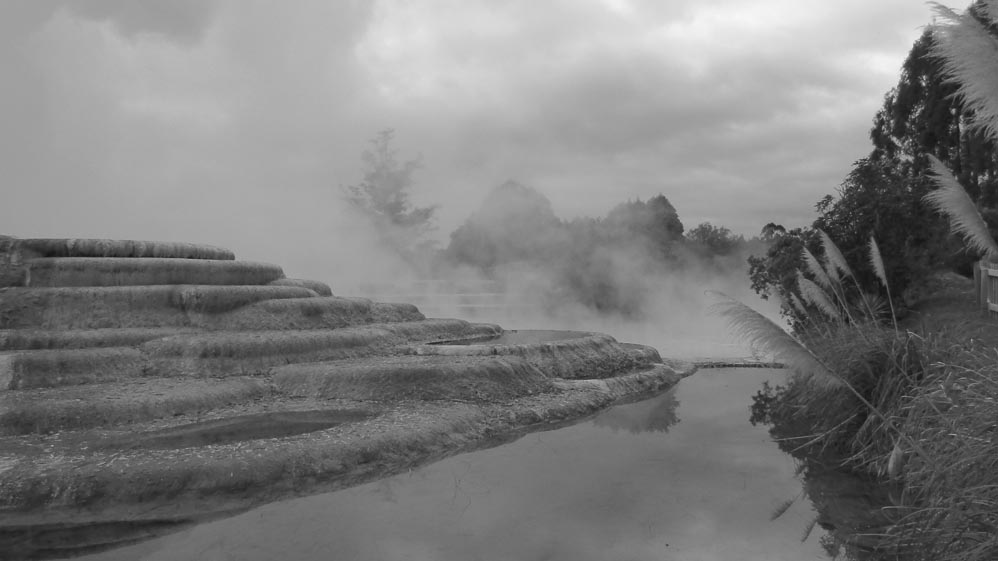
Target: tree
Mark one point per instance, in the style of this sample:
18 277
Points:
775 273
771 231
715 240
883 194
924 114
876 200
654 223
967 47
383 196
514 224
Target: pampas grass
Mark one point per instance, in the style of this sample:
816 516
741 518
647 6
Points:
814 295
836 261
877 262
760 332
969 54
815 268
798 306
951 199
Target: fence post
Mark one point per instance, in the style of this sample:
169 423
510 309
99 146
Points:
980 278
989 290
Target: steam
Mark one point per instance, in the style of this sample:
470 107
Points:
513 262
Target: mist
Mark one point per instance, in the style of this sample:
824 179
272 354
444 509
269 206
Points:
238 124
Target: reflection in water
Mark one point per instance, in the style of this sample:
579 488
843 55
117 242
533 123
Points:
651 415
586 492
853 508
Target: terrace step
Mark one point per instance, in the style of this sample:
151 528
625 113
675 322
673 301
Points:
470 378
67 367
144 271
36 339
320 288
254 353
81 247
586 355
130 306
118 403
392 312
329 312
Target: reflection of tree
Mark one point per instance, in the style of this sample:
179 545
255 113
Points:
852 507
653 415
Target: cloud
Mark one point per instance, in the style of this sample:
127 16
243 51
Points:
177 19
236 122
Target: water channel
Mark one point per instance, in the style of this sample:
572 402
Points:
683 476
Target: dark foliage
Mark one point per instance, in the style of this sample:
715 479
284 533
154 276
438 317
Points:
882 194
606 264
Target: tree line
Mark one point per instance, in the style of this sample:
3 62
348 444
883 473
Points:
607 264
883 195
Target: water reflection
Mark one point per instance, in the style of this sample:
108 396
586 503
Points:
652 415
615 488
853 508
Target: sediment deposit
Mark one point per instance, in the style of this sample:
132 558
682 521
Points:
147 386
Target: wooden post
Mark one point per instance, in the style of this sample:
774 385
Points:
990 276
980 287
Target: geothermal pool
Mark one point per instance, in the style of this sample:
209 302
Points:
679 476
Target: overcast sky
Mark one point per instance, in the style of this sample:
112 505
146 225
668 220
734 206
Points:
236 122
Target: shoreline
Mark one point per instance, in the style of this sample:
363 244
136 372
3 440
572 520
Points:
123 497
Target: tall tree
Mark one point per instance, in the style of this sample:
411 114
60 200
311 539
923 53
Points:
923 114
383 196
883 194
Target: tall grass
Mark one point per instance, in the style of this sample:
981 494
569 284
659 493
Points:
918 411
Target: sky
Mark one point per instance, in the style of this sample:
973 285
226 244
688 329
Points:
238 122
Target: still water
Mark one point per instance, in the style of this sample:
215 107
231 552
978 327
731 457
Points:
680 476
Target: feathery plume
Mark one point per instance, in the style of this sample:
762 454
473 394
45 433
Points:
781 509
835 258
814 266
809 528
950 199
969 54
816 296
798 306
760 332
877 262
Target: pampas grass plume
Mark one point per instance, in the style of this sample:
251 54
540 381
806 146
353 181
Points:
813 294
836 260
969 54
877 262
814 266
951 199
760 332
798 306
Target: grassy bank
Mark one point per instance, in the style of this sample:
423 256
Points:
927 430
